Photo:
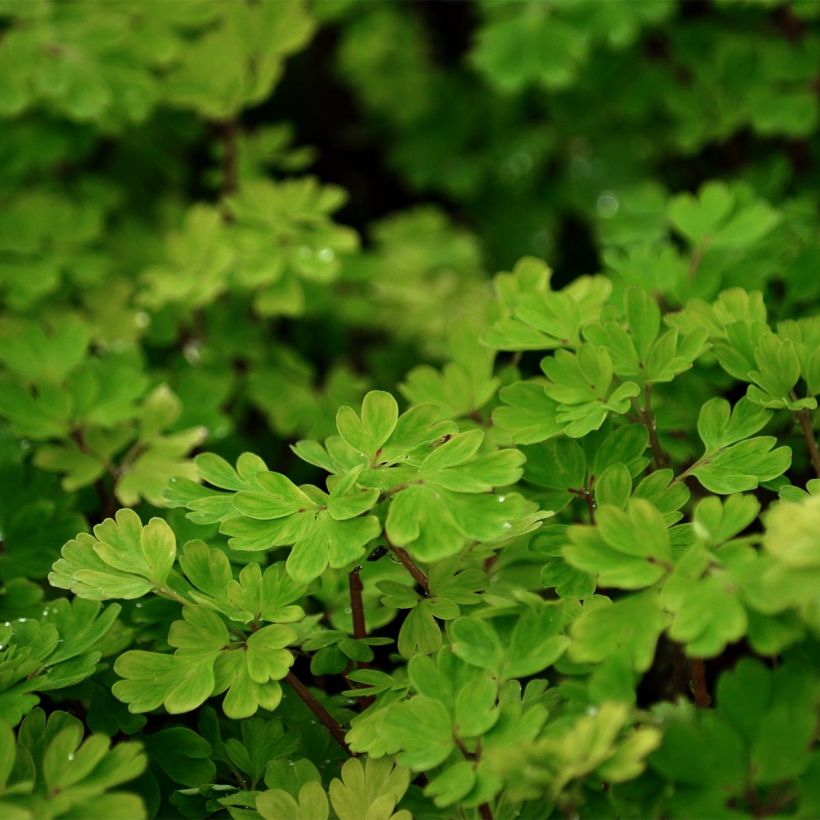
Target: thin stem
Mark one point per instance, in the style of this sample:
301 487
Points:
648 420
697 675
356 606
417 573
485 811
804 418
589 497
165 592
108 505
697 258
321 713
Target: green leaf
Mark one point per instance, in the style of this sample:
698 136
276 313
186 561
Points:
528 413
329 542
581 384
639 531
630 627
453 784
277 804
369 790
368 433
422 729
122 560
183 755
477 643
182 681
706 612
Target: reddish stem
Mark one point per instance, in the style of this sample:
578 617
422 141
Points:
309 699
697 682
356 605
418 575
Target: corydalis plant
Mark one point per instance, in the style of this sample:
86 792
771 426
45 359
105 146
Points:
529 590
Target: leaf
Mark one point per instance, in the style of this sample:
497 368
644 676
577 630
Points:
183 755
378 420
528 413
719 429
422 729
706 613
705 752
477 643
630 626
182 681
475 707
581 383
153 556
329 542
717 521
124 559
74 772
369 790
277 804
535 644
730 464
453 784
743 466
37 356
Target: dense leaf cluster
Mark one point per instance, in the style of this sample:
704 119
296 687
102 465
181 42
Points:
305 521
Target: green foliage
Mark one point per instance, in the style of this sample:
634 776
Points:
304 514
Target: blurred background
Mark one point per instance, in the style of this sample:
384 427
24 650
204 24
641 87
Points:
221 220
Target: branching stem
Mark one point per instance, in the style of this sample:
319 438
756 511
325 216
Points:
589 497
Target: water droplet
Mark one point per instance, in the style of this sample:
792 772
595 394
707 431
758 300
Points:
21 620
24 444
71 755
7 623
192 352
607 205
138 605
592 710
502 499
348 610
507 525
142 319
326 255
46 611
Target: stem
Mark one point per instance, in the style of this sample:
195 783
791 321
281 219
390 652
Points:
165 592
417 573
697 258
589 497
321 713
356 605
648 420
804 418
108 503
697 674
485 811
